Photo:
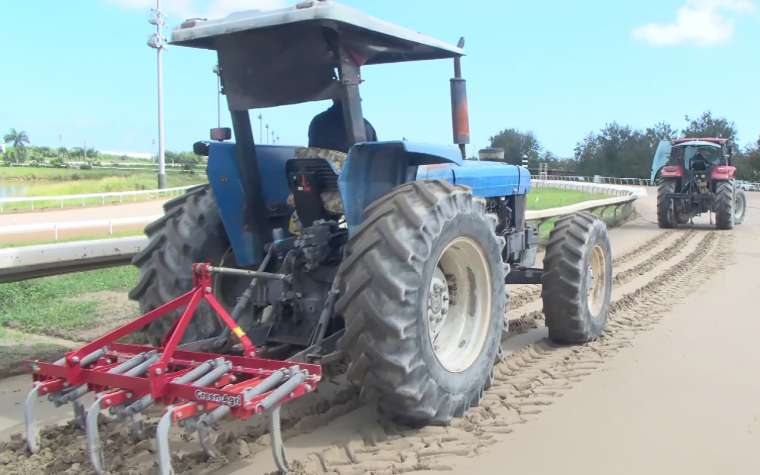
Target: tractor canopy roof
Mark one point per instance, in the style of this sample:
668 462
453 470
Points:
697 143
712 141
289 56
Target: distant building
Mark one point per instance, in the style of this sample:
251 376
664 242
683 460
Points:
138 155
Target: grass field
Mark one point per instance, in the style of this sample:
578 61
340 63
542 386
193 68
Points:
88 183
544 198
68 306
62 174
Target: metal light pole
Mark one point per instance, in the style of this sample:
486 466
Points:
218 72
158 42
261 128
273 136
267 133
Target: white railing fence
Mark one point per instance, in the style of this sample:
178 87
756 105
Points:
81 198
52 259
97 223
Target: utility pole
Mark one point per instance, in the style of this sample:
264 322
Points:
158 42
218 72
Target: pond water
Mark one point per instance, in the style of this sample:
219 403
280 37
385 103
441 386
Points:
10 190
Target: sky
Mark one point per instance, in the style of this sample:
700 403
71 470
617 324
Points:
81 71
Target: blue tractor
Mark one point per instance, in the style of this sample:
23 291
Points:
397 254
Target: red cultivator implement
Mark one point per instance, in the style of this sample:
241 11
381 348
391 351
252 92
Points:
196 388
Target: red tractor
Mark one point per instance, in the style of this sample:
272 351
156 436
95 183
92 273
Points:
696 177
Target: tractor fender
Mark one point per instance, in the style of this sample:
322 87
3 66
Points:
372 169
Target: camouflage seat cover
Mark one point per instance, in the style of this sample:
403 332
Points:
331 198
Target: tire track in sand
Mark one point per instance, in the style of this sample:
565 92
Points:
524 383
526 296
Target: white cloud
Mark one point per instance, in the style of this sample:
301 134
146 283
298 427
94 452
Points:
211 9
699 22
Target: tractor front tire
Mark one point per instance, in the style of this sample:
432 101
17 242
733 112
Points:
424 302
577 279
665 213
740 208
725 205
190 231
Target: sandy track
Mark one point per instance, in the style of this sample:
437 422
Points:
330 431
85 213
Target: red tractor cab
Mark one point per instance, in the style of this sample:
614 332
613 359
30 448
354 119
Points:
696 177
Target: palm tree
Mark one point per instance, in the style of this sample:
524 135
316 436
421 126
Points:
18 139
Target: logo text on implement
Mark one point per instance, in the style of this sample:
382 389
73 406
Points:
223 399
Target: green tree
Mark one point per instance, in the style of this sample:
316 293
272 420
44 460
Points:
708 126
516 144
616 150
19 140
661 131
76 153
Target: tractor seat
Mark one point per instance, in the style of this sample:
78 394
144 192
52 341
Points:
327 178
699 165
333 156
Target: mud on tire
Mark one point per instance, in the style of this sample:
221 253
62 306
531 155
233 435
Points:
576 306
395 254
190 231
724 205
665 213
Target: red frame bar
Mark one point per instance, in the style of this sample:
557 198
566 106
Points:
247 371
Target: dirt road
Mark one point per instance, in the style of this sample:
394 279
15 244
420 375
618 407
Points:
85 213
669 388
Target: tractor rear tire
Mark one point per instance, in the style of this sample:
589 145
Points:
190 231
391 303
577 279
725 205
665 213
740 208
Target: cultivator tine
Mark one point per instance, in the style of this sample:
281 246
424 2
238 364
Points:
196 394
271 403
32 434
93 438
79 414
162 442
278 448
40 388
162 431
135 366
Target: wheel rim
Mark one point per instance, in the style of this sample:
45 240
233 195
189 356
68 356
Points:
596 284
739 206
458 305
